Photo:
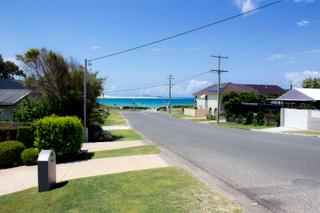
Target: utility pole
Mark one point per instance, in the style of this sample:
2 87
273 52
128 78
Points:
170 87
85 135
219 71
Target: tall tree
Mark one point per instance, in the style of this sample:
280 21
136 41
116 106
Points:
8 70
311 83
59 83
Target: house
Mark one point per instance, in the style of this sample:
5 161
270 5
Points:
296 108
206 99
300 99
12 92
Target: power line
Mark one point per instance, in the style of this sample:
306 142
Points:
154 85
192 77
187 32
134 89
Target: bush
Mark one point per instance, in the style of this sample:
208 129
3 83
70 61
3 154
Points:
259 118
10 152
96 118
25 134
249 118
63 134
97 134
8 132
30 156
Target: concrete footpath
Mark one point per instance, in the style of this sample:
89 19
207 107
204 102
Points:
24 177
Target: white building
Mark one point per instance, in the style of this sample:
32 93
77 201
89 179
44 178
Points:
207 97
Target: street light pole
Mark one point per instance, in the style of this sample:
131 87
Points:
85 135
219 71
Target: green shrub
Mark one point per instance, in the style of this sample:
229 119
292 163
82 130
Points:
30 156
259 118
25 134
97 134
8 132
249 118
63 134
10 152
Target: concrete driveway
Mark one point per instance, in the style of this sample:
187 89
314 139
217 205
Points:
280 172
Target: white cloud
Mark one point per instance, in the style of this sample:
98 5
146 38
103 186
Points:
195 85
303 23
275 57
15 61
297 77
305 1
182 90
309 52
245 5
95 47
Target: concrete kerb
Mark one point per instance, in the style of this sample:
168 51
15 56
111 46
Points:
280 130
213 181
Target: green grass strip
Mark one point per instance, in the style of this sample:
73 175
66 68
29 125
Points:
305 132
125 135
115 119
139 150
155 190
241 126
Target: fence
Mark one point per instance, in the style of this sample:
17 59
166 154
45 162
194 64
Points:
195 112
300 119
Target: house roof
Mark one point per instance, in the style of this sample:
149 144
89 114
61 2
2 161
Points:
300 94
10 97
11 84
260 89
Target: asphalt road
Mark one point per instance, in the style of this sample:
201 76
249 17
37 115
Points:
281 172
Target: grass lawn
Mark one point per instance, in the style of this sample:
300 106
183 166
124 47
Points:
139 150
155 190
241 126
306 132
125 135
115 119
200 120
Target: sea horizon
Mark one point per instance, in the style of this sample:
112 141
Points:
142 101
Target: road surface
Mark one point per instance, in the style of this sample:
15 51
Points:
280 172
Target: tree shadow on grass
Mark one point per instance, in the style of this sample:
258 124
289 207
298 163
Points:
60 185
117 137
84 156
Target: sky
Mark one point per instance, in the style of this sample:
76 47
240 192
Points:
272 46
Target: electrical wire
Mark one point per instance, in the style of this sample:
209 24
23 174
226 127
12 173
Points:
187 32
154 85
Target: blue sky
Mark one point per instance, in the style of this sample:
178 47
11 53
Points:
273 46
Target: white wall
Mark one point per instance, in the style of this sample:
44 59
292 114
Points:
190 112
300 119
211 102
200 103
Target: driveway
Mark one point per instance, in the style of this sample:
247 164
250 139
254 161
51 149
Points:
280 172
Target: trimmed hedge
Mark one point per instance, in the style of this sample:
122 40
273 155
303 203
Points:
63 134
30 156
8 133
25 134
10 152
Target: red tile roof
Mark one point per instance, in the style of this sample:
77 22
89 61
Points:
260 89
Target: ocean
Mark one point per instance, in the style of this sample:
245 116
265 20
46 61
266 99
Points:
144 102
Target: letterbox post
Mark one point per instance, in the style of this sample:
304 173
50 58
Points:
46 170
